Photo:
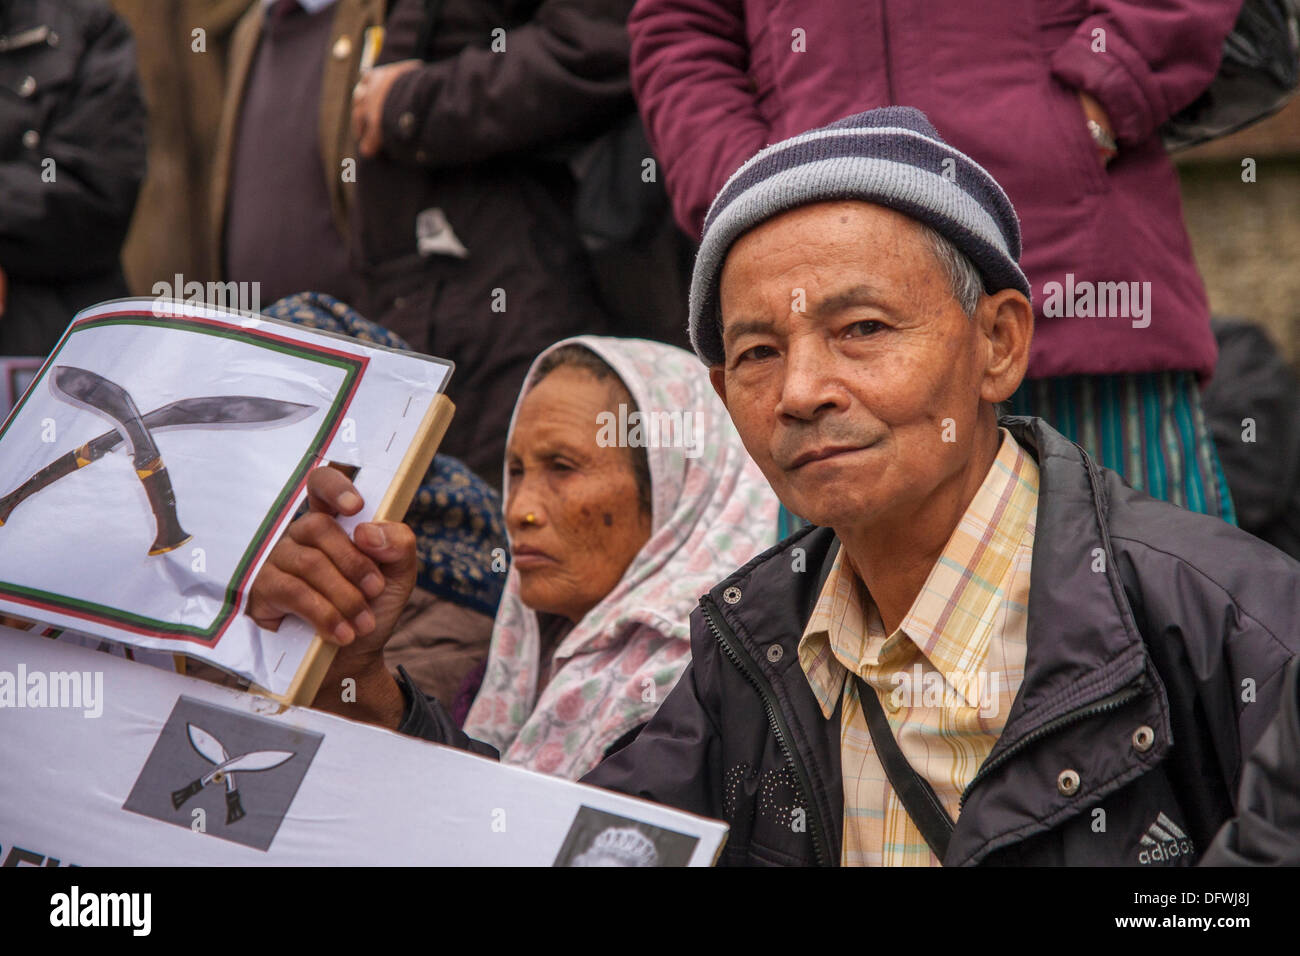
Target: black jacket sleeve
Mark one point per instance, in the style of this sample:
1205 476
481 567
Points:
425 718
68 219
676 759
561 75
1266 830
1251 406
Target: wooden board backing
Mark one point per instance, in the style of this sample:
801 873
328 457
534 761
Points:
392 507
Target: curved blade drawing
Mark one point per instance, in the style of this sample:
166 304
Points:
90 390
213 411
208 747
257 760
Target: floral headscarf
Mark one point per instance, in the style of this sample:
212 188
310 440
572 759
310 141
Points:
712 512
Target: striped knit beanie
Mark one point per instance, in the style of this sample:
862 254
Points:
890 156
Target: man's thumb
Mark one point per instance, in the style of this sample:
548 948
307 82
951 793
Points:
391 544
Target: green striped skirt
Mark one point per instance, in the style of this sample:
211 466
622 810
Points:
1148 427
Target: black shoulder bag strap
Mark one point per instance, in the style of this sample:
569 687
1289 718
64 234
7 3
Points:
923 806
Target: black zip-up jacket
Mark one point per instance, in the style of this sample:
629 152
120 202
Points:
1158 644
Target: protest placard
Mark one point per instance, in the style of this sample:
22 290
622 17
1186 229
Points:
161 450
109 762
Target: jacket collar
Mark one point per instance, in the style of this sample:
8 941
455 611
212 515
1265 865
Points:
1083 642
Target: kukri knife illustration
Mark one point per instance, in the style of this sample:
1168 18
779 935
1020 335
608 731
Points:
214 411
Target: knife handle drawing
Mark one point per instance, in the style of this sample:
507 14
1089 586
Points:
184 793
162 500
47 476
234 809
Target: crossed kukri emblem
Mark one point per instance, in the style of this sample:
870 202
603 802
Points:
91 391
211 750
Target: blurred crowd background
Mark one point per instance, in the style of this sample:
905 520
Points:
1247 242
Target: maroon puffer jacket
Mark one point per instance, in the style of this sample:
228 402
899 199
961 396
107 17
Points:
718 79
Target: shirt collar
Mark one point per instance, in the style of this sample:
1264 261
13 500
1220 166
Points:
824 672
951 620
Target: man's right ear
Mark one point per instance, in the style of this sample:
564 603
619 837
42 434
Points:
1008 323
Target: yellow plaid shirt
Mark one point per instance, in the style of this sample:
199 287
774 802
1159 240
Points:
946 677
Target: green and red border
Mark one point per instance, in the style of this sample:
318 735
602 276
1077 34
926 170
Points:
353 367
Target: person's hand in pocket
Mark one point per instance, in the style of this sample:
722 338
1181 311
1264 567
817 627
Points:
368 98
1094 111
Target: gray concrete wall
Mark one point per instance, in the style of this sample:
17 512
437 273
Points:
1246 236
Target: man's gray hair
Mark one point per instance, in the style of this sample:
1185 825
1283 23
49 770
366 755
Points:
963 278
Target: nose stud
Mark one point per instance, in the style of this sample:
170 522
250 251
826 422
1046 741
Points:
530 518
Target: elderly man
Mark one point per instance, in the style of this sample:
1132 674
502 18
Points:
987 650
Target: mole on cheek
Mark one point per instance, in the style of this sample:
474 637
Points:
609 519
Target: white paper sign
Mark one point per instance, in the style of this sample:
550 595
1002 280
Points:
136 766
161 451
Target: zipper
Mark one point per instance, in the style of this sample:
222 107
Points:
1113 701
775 721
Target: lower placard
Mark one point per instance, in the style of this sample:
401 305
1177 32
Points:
110 762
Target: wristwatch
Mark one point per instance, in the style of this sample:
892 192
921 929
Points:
1105 142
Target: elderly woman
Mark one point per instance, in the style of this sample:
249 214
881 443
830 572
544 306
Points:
628 494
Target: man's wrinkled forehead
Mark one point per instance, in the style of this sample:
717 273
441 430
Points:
872 224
